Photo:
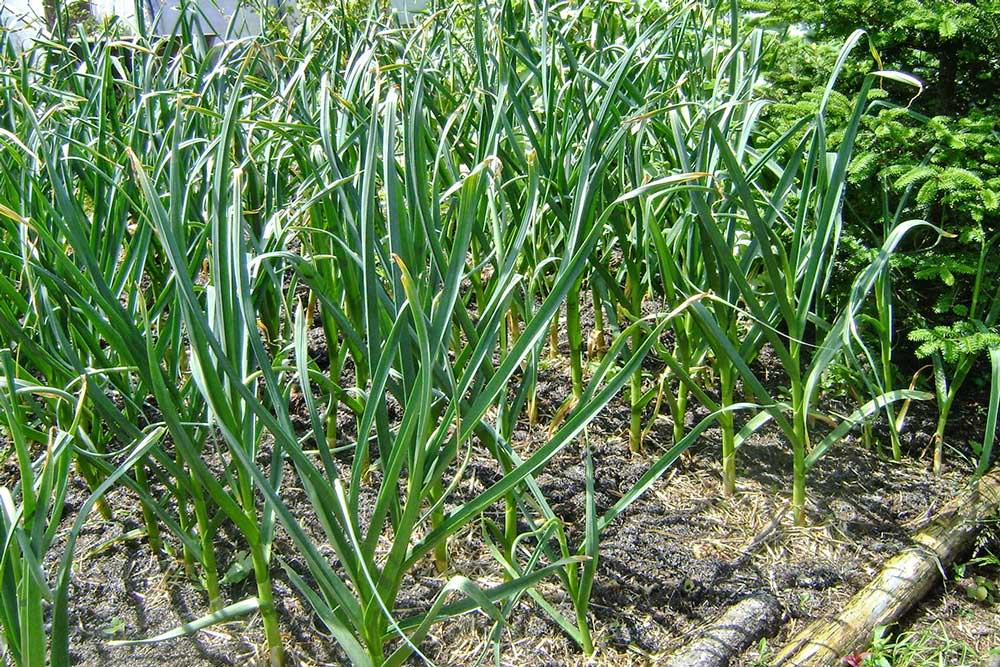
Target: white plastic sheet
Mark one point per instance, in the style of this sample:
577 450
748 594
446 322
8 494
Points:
161 17
23 19
407 10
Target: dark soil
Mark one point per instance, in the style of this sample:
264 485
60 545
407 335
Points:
673 562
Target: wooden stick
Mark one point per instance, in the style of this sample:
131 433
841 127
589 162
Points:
903 582
762 538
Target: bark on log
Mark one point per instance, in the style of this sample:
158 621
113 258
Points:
742 624
903 582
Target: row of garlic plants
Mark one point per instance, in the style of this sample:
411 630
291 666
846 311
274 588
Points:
178 217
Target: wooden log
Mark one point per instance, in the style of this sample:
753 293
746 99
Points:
744 623
903 581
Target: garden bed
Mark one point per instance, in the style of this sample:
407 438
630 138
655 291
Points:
212 249
679 557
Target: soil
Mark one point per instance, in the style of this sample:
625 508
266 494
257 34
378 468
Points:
673 562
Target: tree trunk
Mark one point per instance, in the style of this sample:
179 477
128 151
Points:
947 76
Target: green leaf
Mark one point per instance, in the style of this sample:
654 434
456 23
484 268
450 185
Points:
224 615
